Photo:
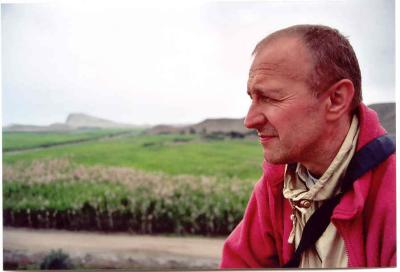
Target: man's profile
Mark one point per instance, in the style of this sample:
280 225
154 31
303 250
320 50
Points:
306 105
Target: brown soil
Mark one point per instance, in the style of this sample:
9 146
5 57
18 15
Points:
22 247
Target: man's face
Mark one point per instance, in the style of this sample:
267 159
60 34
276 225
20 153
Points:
288 117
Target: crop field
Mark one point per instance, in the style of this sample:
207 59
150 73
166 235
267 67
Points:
24 140
171 154
180 184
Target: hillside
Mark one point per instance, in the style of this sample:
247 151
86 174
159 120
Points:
32 128
74 121
81 120
231 126
225 126
166 129
387 115
220 125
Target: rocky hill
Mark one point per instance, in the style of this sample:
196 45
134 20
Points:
74 121
225 126
222 126
235 127
81 120
166 129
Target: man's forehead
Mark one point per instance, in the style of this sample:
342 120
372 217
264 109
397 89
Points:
266 69
285 57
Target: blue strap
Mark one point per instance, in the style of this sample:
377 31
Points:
367 158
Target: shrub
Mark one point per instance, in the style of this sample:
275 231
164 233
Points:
56 259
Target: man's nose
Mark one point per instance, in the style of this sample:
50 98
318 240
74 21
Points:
254 118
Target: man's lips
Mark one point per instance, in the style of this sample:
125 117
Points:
264 138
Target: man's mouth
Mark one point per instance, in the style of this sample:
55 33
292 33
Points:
264 138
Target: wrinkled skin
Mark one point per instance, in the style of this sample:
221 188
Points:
289 118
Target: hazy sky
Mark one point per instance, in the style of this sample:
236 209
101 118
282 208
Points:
175 63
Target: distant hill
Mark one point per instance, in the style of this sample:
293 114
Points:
81 120
231 126
32 128
223 126
166 129
387 115
74 121
220 125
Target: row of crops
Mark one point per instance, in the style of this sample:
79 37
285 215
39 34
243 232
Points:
58 193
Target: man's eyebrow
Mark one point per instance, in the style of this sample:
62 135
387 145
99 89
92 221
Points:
263 91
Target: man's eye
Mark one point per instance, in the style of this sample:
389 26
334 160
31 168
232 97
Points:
267 99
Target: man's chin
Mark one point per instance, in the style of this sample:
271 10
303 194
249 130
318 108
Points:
274 158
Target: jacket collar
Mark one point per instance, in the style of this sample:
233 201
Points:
353 202
370 127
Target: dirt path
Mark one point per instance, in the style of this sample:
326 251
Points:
100 250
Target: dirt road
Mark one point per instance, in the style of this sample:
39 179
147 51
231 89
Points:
100 250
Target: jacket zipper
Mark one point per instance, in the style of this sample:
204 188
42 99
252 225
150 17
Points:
346 246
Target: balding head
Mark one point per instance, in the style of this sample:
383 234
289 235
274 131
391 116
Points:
286 56
331 55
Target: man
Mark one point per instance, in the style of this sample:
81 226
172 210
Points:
305 90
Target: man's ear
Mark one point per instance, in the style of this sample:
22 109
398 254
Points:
339 97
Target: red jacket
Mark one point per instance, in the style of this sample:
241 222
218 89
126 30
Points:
365 216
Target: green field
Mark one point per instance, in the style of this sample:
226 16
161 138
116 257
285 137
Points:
24 140
146 184
172 154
